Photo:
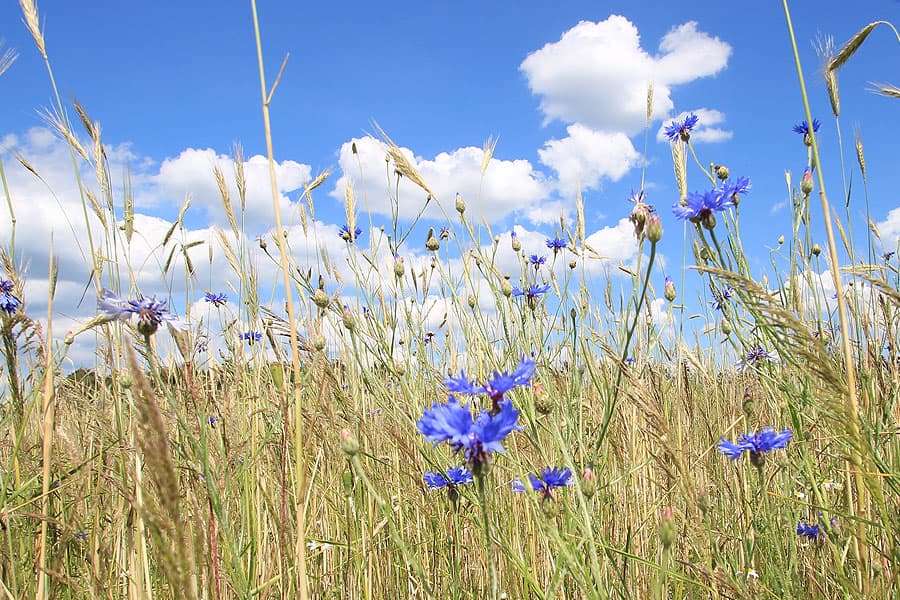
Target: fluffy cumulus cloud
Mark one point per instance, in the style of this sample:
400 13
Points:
598 74
504 187
586 156
889 230
191 174
705 131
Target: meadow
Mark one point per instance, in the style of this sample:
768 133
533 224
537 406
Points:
562 444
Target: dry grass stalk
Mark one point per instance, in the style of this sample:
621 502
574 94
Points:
95 206
226 198
402 163
850 48
30 12
129 207
350 207
7 58
679 159
824 46
886 89
489 145
58 124
240 176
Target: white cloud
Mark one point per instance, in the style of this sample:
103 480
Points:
506 186
585 156
597 74
889 230
704 131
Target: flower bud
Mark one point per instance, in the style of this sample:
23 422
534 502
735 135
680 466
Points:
460 204
348 320
349 443
472 301
506 288
572 264
588 482
399 269
431 242
780 240
669 289
667 529
725 326
147 325
639 215
320 298
549 507
747 404
319 342
516 244
654 229
806 183
816 249
708 220
722 172
543 403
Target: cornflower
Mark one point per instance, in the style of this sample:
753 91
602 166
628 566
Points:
251 336
349 236
557 244
727 294
216 300
495 387
455 476
533 291
754 356
702 207
9 303
756 444
549 478
150 311
536 260
682 129
803 127
477 437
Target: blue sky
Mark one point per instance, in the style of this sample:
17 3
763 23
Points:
174 85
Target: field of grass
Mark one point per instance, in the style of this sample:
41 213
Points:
292 463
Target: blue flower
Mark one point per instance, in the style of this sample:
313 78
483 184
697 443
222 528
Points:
453 477
537 260
887 256
533 291
755 356
81 535
703 207
251 336
756 444
9 303
682 129
809 531
462 385
150 311
549 478
498 385
348 236
216 300
452 422
557 244
803 127
727 294
732 190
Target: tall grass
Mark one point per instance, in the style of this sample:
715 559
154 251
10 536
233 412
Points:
291 464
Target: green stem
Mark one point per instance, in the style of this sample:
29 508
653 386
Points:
486 526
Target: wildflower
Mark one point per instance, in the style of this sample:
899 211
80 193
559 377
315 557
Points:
629 361
639 214
722 172
756 444
9 303
445 233
588 482
682 129
454 476
216 300
349 236
727 294
806 182
536 260
810 531
549 478
804 129
478 437
496 386
754 356
533 291
732 190
886 257
81 535
702 208
150 311
667 528
460 204
213 420
748 573
399 268
251 336
431 242
349 443
557 244
832 486
654 229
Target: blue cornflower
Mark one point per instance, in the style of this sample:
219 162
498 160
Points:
682 129
809 531
216 300
549 478
557 244
887 256
803 127
727 294
251 336
732 190
9 303
498 385
533 291
755 356
81 535
536 260
150 311
629 361
213 420
454 476
756 444
702 208
478 437
349 236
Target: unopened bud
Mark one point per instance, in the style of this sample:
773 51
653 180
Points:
460 204
572 264
320 298
319 342
654 229
806 183
780 240
506 288
399 269
349 443
431 242
472 301
516 244
747 403
669 289
708 220
722 172
588 482
816 249
725 326
667 529
543 403
348 320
